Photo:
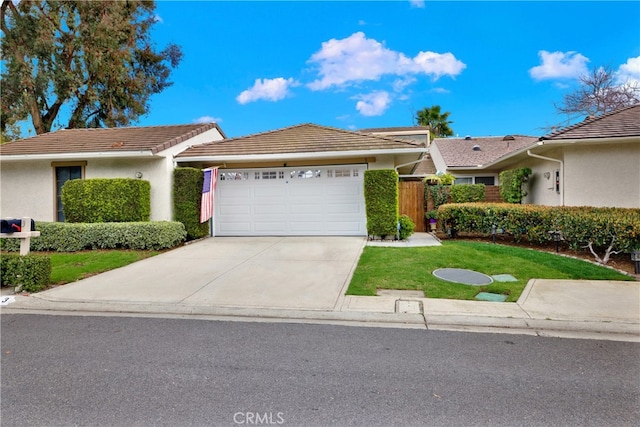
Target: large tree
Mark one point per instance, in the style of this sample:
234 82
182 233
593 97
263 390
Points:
436 120
599 92
94 58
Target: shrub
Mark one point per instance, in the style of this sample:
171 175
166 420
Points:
440 194
579 225
464 193
106 200
406 227
187 193
71 237
32 272
381 200
511 182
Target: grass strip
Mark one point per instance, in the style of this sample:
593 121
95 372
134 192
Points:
411 269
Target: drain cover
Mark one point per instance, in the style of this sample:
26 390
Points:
486 296
466 277
504 278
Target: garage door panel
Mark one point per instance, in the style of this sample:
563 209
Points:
327 202
276 227
343 208
235 209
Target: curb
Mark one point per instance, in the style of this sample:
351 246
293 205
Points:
616 331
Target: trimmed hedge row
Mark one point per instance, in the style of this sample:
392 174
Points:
187 193
464 193
71 237
32 272
381 201
106 200
578 225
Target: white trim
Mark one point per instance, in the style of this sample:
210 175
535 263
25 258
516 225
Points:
302 156
75 156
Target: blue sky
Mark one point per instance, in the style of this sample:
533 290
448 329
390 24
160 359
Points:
498 67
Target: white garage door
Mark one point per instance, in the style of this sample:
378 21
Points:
310 201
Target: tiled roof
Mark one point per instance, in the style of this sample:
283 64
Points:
395 129
619 123
304 138
149 138
459 152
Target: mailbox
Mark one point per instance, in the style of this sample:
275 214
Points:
14 226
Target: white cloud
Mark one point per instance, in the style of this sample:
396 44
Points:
207 119
559 65
417 3
362 22
357 58
158 18
400 84
267 89
373 104
629 72
440 90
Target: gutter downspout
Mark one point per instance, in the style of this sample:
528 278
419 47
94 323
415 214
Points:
537 156
410 163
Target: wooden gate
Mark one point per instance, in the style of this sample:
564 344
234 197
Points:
411 198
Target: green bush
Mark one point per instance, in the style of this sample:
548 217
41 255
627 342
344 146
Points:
511 182
32 272
406 227
579 225
381 200
187 193
464 193
439 194
106 200
71 237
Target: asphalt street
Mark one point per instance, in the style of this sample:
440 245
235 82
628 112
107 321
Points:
132 371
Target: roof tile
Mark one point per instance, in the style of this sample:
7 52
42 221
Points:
92 140
303 138
619 123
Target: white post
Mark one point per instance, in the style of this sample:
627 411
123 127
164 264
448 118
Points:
25 242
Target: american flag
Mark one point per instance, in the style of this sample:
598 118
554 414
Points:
208 193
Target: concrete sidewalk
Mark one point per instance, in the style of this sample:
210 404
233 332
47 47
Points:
305 279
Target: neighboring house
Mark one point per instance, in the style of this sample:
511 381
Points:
33 170
473 160
593 163
300 180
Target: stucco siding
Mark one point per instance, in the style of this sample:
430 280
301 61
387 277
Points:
541 184
603 175
27 189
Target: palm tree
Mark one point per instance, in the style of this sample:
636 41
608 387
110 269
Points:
436 120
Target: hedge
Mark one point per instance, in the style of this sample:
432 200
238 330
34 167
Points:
465 193
407 227
511 182
32 272
187 193
579 225
381 201
71 237
106 200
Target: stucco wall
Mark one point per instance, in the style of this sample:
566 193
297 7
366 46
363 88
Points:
603 175
27 189
541 185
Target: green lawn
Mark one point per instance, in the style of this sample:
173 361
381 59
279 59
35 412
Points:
411 268
69 267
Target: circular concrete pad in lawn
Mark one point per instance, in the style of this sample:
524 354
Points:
465 277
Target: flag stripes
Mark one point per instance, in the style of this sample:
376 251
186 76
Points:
208 194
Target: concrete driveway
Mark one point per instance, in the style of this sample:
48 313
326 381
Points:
262 272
